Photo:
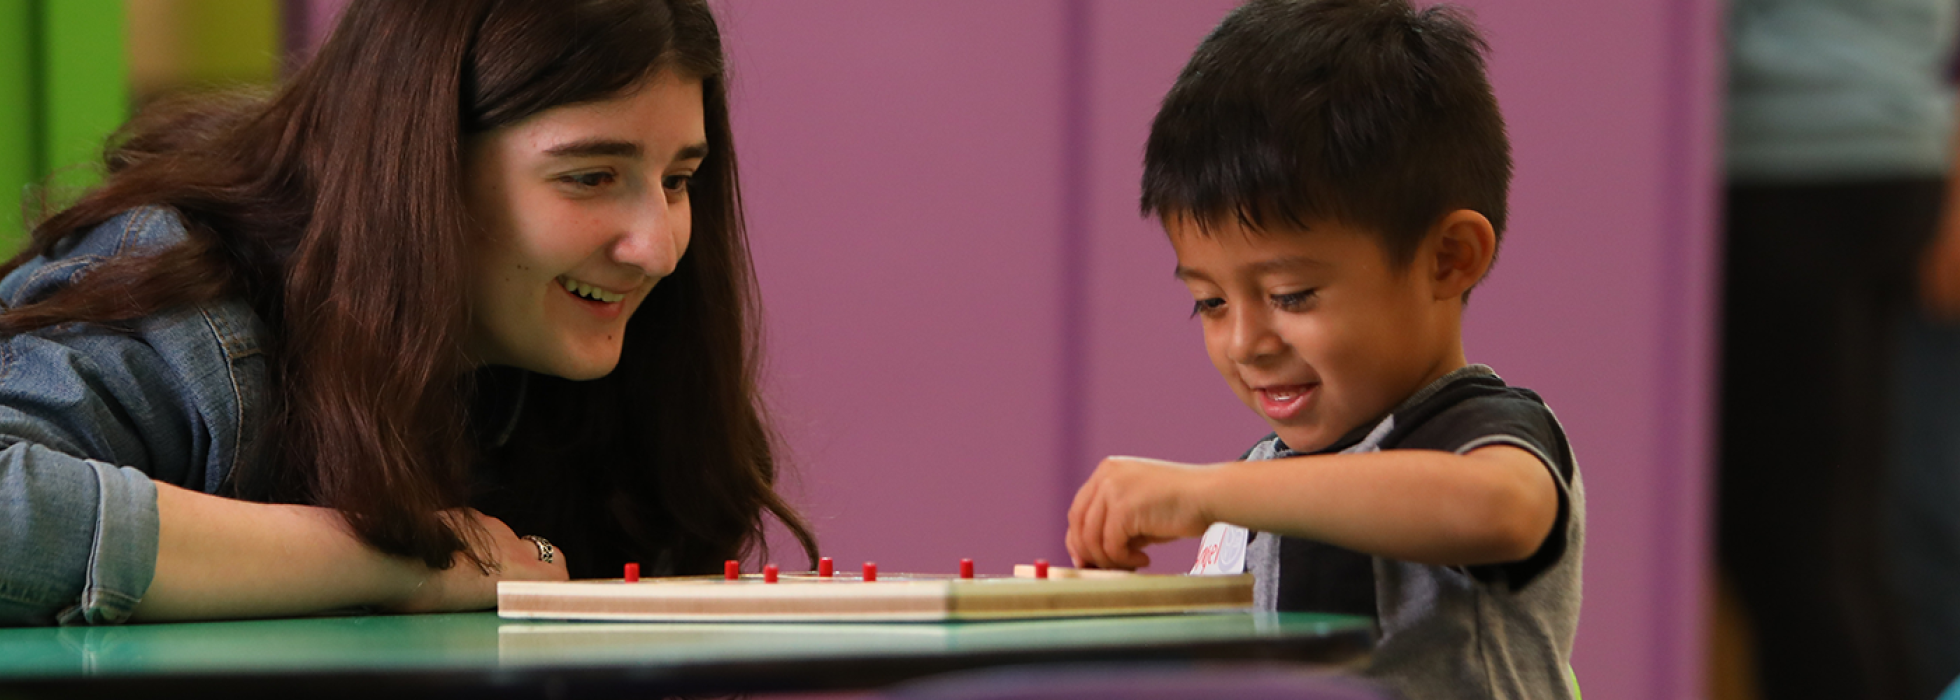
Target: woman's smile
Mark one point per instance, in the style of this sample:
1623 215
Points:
589 291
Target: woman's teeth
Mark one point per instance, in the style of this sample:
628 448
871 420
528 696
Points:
589 291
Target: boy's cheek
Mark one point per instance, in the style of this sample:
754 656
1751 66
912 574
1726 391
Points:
1229 373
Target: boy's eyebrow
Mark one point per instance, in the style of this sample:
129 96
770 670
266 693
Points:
1287 262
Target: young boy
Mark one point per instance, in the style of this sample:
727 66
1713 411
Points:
1332 175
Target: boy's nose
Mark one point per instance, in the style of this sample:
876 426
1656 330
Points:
1252 336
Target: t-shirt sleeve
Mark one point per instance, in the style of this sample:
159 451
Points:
1518 419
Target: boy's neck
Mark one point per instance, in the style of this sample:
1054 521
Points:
1450 359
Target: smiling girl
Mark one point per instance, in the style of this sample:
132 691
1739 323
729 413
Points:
478 271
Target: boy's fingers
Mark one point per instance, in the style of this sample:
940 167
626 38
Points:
1087 522
1078 509
1076 512
1090 536
1073 541
1138 557
1082 495
1116 542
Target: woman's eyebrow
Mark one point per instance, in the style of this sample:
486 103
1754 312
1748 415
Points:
693 151
585 148
588 148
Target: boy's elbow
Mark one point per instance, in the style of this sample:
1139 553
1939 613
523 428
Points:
1517 518
1517 541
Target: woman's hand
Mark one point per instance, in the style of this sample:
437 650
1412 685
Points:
1131 503
467 586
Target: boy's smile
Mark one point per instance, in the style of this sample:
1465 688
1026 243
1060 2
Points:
1316 330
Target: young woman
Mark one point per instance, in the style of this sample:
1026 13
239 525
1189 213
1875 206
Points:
477 272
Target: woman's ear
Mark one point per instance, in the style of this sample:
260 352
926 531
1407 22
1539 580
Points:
1459 251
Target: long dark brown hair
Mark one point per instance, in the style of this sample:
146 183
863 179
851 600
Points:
336 207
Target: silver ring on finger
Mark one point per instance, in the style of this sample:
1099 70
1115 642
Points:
546 552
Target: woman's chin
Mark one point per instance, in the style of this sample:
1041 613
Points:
580 367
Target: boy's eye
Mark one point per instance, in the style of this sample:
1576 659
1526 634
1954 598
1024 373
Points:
1292 301
1206 306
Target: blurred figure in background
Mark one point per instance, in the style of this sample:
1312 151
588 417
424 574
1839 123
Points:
1837 509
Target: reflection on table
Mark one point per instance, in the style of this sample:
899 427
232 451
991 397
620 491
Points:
427 655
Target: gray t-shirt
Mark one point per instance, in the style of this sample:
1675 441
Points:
1498 631
1838 90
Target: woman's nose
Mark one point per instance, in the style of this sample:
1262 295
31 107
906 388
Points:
654 240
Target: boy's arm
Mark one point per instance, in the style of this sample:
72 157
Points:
1493 504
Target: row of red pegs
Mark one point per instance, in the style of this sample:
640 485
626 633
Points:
732 570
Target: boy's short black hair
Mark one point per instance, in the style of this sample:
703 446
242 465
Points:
1366 112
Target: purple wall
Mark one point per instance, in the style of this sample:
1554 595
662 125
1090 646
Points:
964 311
905 182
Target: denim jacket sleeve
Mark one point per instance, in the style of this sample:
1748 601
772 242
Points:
90 416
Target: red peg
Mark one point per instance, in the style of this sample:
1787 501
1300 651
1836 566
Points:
966 568
870 571
824 566
1041 568
632 573
732 570
769 573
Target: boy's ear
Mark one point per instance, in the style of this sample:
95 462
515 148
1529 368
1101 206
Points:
1459 252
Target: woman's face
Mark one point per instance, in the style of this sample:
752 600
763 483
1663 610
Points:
582 209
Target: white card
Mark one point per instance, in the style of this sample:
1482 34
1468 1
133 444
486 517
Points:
1222 551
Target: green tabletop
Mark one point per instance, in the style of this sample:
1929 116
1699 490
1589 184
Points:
721 657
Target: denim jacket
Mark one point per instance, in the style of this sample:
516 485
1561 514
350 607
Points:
89 416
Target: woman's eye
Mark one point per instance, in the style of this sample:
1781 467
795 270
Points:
591 180
1292 301
676 183
1206 306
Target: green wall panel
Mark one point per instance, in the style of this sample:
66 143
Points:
63 89
19 135
86 90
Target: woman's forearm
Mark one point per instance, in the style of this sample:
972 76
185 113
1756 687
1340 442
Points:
218 557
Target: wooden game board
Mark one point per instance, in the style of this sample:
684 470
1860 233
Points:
806 597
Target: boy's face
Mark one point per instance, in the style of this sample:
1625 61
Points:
1316 330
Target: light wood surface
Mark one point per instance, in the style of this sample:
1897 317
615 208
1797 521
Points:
804 597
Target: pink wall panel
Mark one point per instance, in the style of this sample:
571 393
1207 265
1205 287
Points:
902 166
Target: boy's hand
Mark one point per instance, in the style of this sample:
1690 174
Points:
1131 503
